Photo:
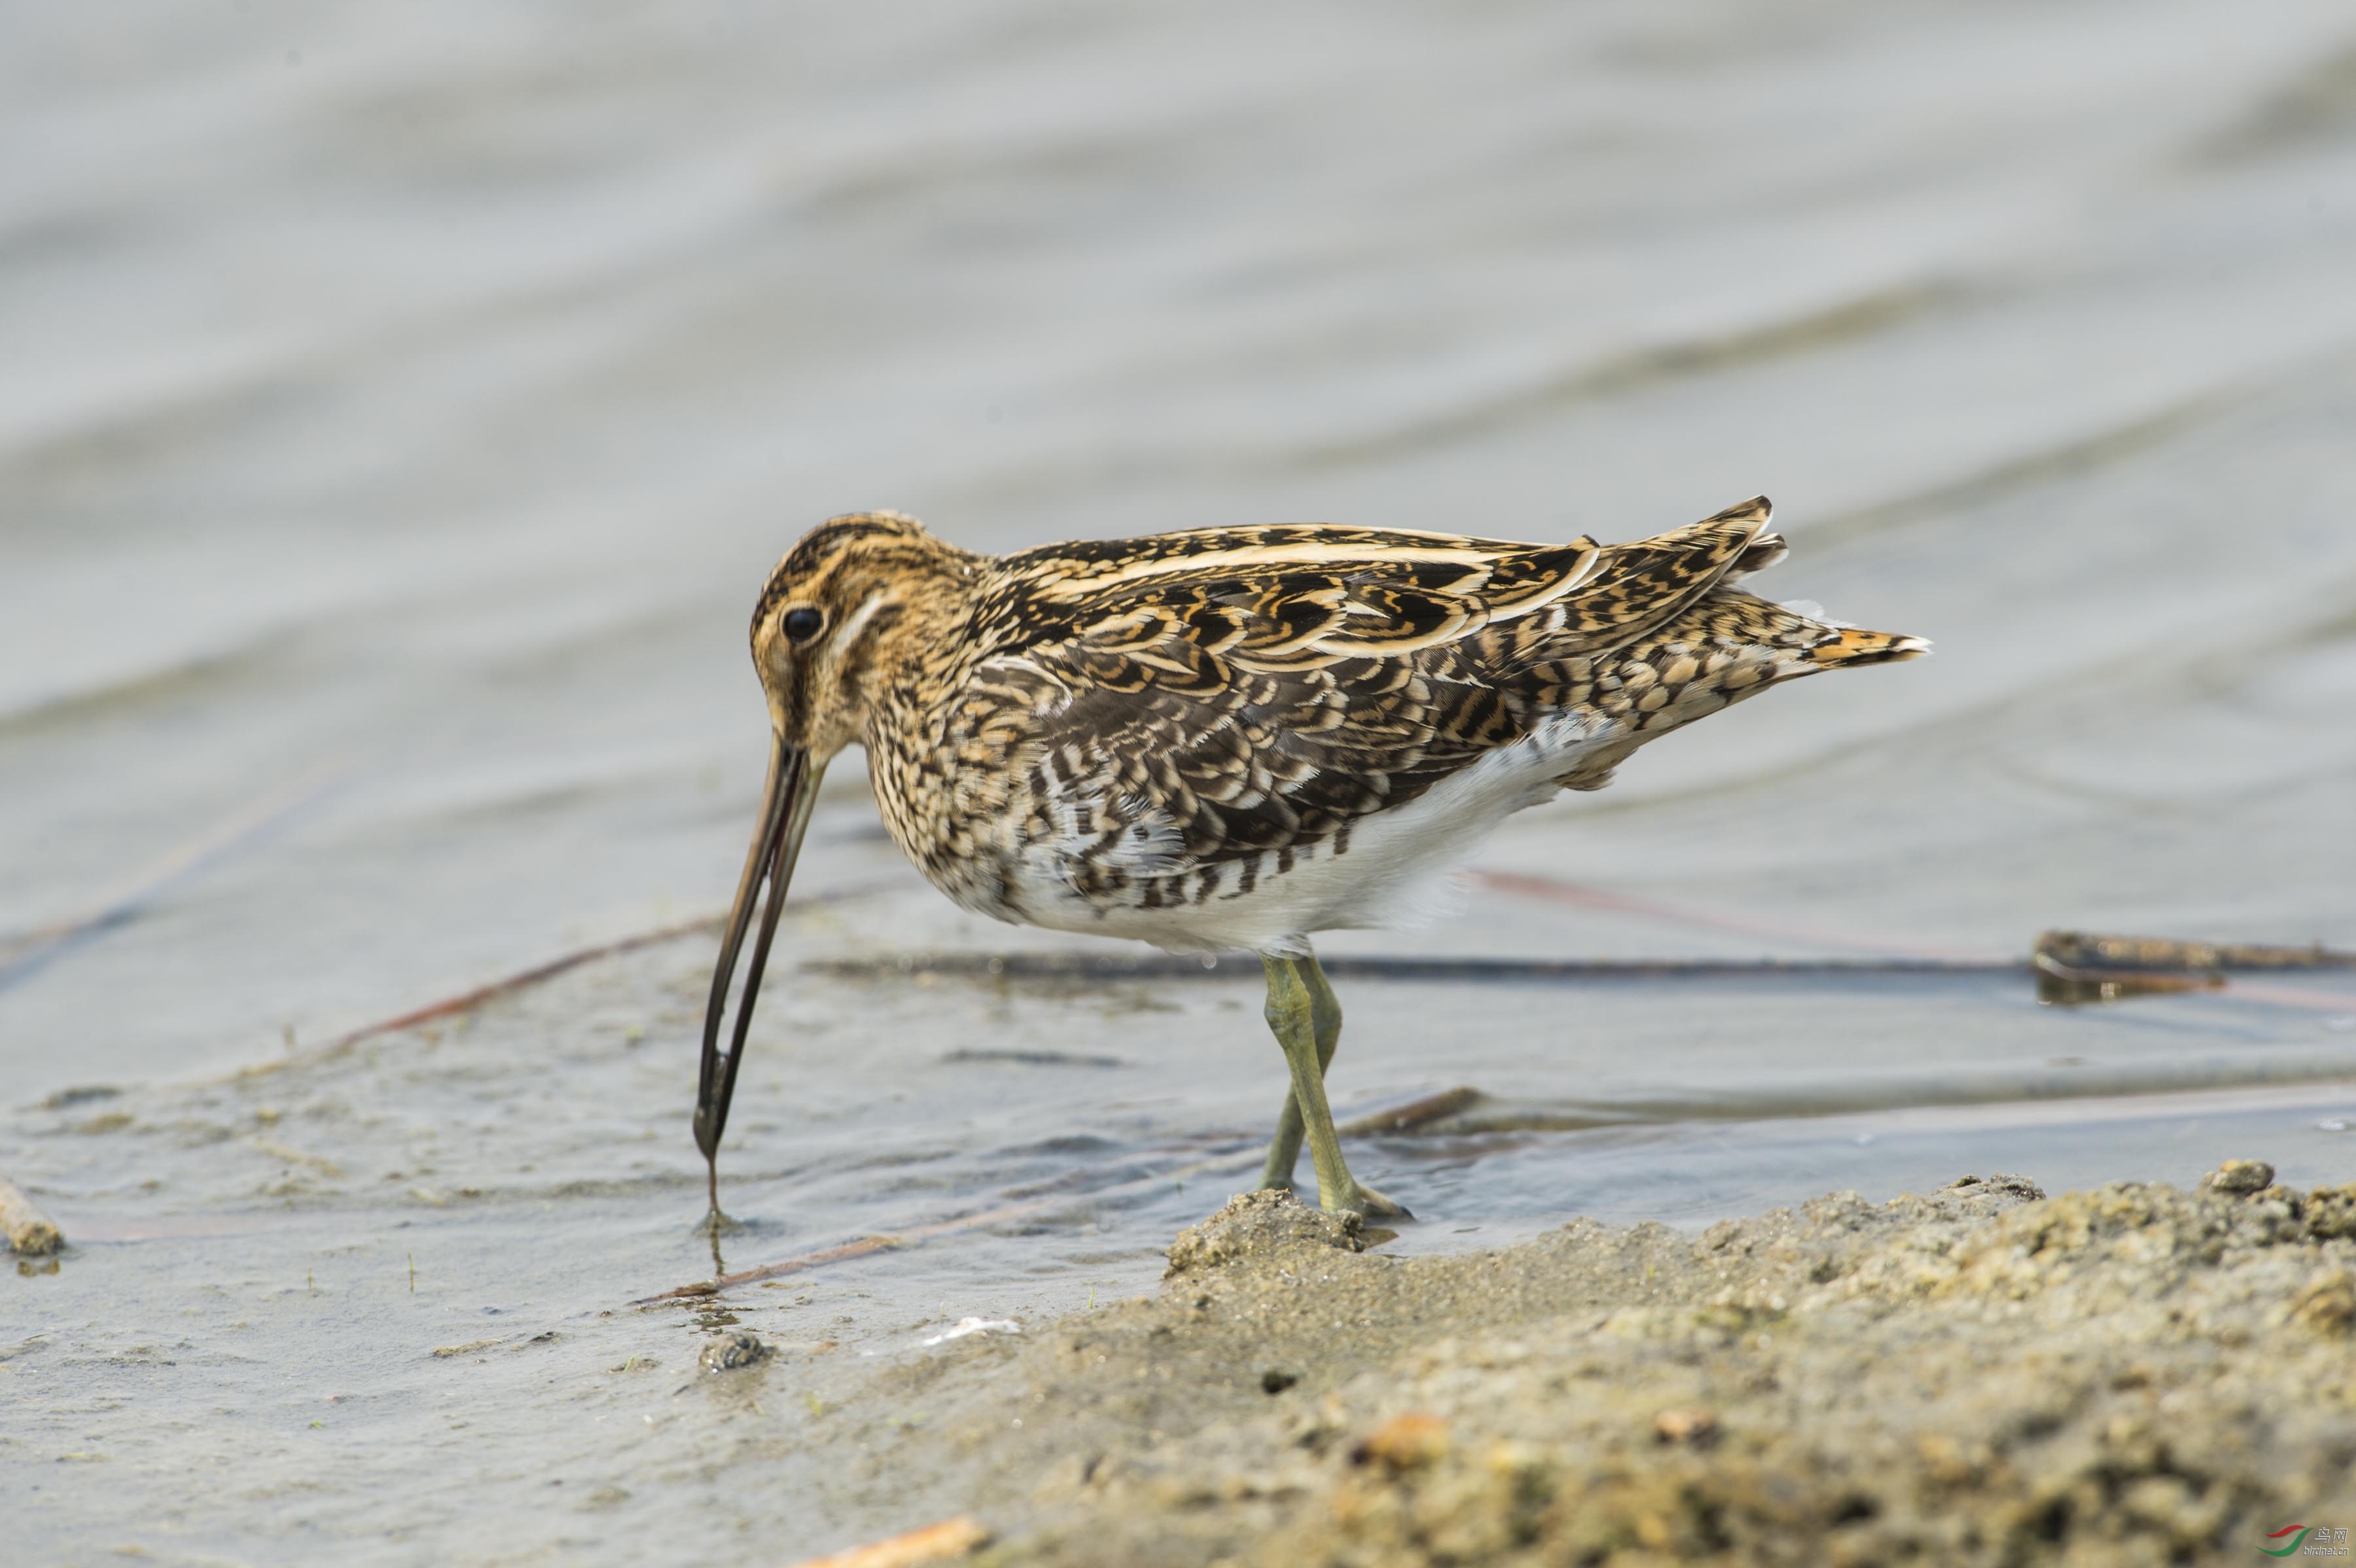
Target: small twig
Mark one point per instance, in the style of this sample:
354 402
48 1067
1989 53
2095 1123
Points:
866 1246
523 980
1414 1113
28 1229
2091 950
2065 985
2077 967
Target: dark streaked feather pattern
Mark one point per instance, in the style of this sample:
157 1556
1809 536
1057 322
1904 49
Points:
1166 722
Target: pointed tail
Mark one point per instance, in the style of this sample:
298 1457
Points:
1854 647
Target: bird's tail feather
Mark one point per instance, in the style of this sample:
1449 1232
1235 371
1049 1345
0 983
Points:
1855 647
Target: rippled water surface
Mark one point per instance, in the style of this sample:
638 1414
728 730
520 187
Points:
402 404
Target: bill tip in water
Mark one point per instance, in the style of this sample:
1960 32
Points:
715 1219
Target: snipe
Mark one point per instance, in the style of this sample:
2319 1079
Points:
1233 739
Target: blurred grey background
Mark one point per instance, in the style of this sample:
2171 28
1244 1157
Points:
401 404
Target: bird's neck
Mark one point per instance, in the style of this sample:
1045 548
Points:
920 650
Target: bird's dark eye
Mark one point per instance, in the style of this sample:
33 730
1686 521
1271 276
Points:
802 624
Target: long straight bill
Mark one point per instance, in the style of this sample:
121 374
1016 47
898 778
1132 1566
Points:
786 804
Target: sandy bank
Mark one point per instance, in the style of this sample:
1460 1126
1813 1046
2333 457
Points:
2135 1373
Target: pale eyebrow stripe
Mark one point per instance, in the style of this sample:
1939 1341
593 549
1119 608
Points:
849 633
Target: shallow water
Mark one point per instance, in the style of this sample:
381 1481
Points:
403 404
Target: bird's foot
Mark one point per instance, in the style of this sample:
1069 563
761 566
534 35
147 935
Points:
1373 1205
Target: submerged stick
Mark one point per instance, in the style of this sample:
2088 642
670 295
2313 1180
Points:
467 1001
1405 967
2057 980
525 978
522 979
2077 967
1415 1114
28 1229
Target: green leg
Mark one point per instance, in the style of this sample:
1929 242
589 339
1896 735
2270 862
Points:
1325 1017
1294 988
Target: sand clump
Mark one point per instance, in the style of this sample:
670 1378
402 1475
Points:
2134 1373
1260 1228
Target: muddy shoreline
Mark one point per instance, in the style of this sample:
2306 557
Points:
296 1301
2133 1373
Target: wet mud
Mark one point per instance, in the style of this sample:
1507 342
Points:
2134 1373
461 1260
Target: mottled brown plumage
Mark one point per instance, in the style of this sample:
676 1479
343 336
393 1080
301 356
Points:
1139 736
1237 738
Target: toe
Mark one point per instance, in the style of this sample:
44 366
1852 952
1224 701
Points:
1375 1206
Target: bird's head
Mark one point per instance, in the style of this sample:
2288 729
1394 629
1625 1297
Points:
846 607
838 612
